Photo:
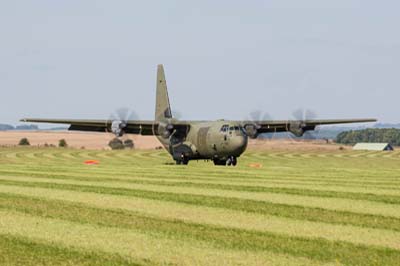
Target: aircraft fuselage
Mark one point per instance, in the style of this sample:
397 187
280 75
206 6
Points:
218 141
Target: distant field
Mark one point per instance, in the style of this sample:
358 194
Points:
75 139
137 208
99 141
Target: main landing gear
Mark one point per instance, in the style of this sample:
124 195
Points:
231 161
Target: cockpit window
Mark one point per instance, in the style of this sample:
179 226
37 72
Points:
224 128
236 128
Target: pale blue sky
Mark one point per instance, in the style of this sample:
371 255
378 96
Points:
223 59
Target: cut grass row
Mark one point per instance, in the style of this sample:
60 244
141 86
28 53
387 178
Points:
330 203
22 251
219 238
385 176
251 206
202 215
373 192
250 155
387 195
133 244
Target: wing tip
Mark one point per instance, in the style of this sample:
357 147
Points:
371 120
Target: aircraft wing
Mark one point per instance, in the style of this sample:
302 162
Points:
141 127
297 127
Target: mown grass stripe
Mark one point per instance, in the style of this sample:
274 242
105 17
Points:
286 188
369 170
290 187
289 173
335 204
390 199
316 249
216 216
252 206
272 173
23 251
136 245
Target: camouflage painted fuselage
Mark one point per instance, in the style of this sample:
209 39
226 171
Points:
208 141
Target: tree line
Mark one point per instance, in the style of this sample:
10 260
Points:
383 135
6 127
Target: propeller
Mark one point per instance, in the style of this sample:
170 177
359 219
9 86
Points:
176 115
119 120
166 128
298 127
252 128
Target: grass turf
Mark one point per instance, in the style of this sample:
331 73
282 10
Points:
368 178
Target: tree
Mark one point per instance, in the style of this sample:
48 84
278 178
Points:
62 143
128 144
384 135
6 127
24 142
116 144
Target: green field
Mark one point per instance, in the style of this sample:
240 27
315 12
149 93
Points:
137 208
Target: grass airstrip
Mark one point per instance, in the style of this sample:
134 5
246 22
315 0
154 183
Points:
137 208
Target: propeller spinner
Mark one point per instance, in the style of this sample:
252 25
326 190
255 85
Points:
119 121
252 129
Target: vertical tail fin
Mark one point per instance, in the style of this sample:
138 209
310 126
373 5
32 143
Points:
163 108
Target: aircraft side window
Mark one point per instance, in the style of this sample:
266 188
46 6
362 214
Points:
224 128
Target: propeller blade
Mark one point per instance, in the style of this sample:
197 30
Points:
259 115
125 114
303 115
298 114
310 115
177 115
119 119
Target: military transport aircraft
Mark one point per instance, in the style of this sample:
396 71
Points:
220 141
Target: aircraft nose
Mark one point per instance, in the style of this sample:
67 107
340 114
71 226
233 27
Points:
240 143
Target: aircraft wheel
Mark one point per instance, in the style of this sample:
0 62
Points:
234 161
231 161
184 162
184 159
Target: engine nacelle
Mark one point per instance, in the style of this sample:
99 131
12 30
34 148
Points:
117 127
251 131
165 130
297 128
